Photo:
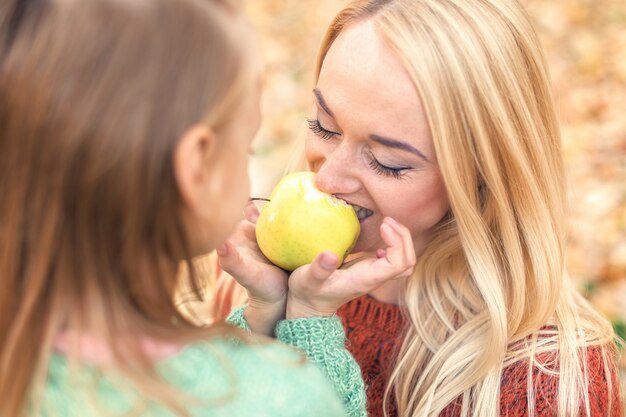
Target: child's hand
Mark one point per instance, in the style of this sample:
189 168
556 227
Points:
319 289
266 284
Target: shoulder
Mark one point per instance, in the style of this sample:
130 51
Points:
604 384
599 372
261 379
220 377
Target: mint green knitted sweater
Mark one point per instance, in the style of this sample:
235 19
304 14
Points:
228 378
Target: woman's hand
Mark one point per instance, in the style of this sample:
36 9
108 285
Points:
319 289
266 283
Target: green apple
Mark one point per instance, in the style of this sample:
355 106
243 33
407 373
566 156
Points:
300 221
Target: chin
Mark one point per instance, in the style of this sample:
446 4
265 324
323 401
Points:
201 250
366 245
204 243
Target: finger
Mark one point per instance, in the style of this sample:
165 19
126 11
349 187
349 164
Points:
394 252
407 239
222 250
395 261
228 257
324 265
251 212
399 240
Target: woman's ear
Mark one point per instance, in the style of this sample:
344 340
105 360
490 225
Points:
191 156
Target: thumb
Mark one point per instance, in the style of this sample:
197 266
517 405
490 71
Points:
228 256
251 212
324 265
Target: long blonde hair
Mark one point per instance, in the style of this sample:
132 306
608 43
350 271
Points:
491 289
94 96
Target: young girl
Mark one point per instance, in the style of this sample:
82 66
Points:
438 113
124 136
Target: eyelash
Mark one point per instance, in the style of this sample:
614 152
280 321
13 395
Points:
384 170
316 128
380 169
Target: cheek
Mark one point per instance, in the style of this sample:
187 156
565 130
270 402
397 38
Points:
423 208
235 188
313 154
240 179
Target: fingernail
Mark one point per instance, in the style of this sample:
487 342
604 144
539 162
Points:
391 223
222 250
248 208
387 225
328 261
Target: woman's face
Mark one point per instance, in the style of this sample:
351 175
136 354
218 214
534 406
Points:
370 142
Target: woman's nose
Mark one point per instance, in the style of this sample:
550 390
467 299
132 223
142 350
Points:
337 172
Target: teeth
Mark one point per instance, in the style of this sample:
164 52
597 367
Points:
361 212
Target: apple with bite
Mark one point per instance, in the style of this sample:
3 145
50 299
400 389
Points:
300 221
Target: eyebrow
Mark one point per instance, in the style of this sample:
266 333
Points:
392 143
322 102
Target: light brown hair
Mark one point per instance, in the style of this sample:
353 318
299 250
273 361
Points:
94 95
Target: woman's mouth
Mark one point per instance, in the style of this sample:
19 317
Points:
362 213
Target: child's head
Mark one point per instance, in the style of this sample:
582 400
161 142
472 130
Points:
124 134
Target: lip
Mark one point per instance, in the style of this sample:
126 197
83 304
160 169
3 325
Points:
363 213
365 219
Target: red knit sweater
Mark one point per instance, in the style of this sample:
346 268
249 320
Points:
375 330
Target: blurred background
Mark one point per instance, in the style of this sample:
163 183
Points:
585 43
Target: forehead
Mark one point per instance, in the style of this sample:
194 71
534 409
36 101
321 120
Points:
363 78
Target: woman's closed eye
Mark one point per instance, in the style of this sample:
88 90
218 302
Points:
319 130
385 170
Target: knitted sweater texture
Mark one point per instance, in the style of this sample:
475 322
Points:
375 332
226 377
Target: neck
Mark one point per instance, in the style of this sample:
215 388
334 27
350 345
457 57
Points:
96 350
389 292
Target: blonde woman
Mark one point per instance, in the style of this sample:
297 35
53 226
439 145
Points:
438 114
124 136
